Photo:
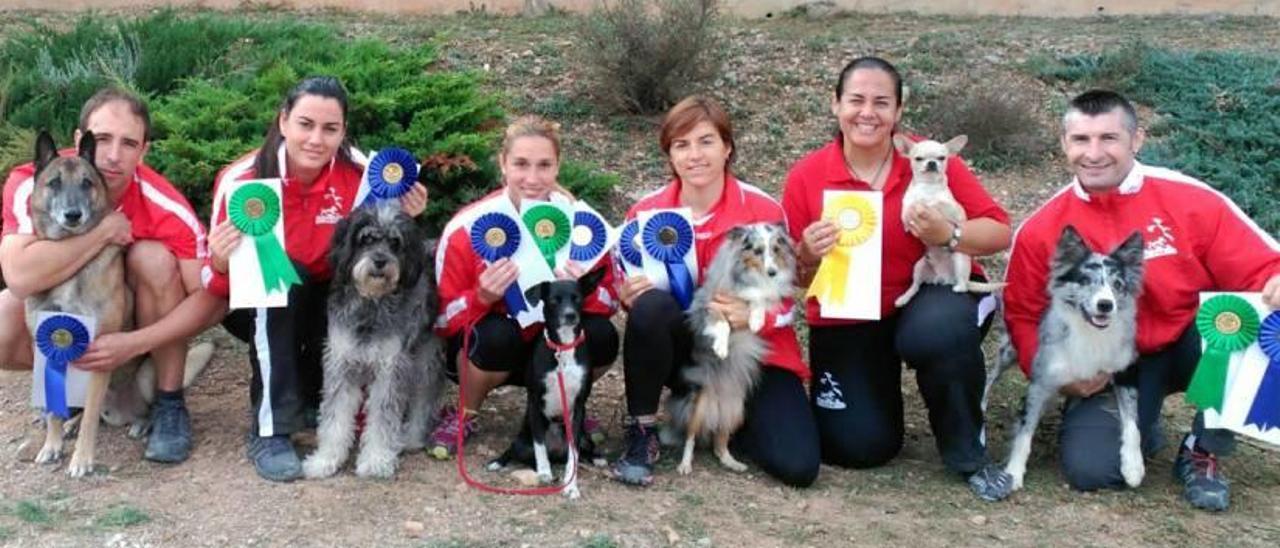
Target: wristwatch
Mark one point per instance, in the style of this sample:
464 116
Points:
955 238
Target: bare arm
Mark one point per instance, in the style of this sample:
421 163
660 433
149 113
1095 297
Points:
32 265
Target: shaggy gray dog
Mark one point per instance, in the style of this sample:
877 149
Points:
381 349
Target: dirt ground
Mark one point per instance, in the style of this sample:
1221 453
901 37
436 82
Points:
215 499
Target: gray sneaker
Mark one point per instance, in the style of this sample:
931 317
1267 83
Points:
1202 482
170 440
274 458
991 483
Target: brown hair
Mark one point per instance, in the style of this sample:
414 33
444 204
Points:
690 112
531 125
110 94
266 165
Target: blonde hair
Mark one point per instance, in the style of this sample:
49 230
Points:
532 125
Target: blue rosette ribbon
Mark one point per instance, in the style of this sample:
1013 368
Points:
1265 411
588 238
61 339
391 174
668 237
497 236
627 245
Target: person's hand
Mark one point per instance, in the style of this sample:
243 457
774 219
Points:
571 271
817 240
107 352
223 239
495 280
414 202
1087 387
116 229
732 309
1271 292
633 288
928 224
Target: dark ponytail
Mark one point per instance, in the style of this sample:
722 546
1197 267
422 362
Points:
267 163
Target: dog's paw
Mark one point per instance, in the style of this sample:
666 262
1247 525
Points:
316 467
571 491
960 287
902 301
755 321
1015 481
599 462
379 466
495 465
49 454
733 464
139 429
80 467
1132 467
545 478
684 468
720 345
72 426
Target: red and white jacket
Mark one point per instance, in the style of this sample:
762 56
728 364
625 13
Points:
311 213
458 269
1196 239
739 204
825 169
156 210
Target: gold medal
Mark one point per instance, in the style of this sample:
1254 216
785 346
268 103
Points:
495 237
254 208
392 173
62 338
545 228
1228 323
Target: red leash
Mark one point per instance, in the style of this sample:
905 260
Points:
570 448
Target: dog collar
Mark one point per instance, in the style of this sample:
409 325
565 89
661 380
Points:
565 347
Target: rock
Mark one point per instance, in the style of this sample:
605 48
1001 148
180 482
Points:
525 477
673 538
978 520
414 528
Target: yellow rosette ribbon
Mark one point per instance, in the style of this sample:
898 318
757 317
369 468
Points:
856 219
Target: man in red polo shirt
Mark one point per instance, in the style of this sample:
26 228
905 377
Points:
1196 240
166 246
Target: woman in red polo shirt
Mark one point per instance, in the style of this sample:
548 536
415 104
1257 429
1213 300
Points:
857 394
779 434
307 148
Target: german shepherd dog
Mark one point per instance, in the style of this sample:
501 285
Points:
1089 328
70 198
756 263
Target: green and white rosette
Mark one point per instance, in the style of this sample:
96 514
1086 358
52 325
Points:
254 209
1228 324
550 228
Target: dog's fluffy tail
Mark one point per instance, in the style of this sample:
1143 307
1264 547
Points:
198 357
1006 357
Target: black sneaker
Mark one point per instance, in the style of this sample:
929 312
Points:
991 483
170 440
1202 482
636 465
274 458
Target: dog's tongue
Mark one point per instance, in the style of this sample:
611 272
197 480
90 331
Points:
1100 321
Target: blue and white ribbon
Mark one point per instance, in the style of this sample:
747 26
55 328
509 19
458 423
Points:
1265 411
496 236
390 174
61 339
627 247
589 237
668 237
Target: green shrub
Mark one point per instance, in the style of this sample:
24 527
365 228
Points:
213 83
1000 121
1216 117
643 55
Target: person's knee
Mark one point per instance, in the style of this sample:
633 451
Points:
1086 470
939 345
653 309
152 267
860 448
496 344
799 469
602 340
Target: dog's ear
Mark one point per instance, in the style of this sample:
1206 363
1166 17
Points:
587 283
903 144
1071 250
534 294
46 150
739 233
956 143
1130 256
413 251
88 147
341 247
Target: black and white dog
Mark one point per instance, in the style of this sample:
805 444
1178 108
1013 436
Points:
382 306
756 263
1089 328
561 354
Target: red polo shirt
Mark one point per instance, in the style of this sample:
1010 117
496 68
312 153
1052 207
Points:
739 204
825 169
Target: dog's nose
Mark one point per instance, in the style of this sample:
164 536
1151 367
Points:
772 272
570 317
379 262
73 216
931 166
1105 306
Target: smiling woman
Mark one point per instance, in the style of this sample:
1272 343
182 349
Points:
306 147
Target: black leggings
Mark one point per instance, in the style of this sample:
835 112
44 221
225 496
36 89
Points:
857 381
779 434
286 349
497 346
